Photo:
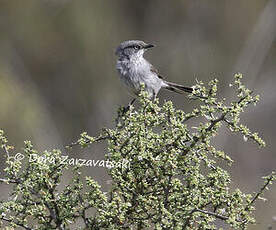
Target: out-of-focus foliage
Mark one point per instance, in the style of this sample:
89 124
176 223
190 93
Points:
173 179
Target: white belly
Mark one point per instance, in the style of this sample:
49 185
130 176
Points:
137 75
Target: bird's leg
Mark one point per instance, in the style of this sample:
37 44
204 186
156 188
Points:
129 104
123 110
154 96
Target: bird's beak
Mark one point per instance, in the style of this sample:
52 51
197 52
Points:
148 46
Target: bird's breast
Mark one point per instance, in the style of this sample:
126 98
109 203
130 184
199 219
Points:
129 74
135 73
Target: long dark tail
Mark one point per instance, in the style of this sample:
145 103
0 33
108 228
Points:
178 88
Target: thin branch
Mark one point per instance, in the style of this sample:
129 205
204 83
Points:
6 151
221 217
19 224
271 178
83 213
213 123
3 180
100 138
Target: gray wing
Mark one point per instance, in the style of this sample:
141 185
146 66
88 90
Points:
154 70
172 86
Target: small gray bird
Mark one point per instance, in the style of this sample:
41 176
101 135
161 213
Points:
135 70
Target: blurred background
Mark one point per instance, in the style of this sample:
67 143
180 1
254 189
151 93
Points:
58 76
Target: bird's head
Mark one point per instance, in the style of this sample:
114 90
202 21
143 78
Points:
132 48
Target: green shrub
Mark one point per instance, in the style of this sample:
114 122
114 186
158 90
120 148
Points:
174 179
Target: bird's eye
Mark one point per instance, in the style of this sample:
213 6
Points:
136 47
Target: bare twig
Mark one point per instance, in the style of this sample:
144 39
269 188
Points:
12 221
221 217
